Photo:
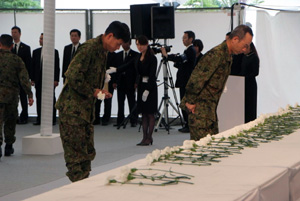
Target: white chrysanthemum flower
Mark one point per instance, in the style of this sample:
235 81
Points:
124 174
156 154
175 148
149 159
166 151
280 110
108 179
101 96
188 144
202 142
208 137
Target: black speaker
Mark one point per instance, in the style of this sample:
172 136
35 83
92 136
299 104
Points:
140 20
162 22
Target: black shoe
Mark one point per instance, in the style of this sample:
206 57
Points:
37 123
184 130
9 150
96 122
117 125
20 121
54 123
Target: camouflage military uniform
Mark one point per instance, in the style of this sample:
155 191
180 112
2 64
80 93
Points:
12 75
76 104
204 89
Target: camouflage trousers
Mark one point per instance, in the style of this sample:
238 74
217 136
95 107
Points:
200 127
77 137
8 120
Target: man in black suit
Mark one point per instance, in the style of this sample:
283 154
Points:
185 64
70 50
23 51
110 61
36 79
126 83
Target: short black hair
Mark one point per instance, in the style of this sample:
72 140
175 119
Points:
6 40
120 30
240 31
16 27
77 31
199 44
190 34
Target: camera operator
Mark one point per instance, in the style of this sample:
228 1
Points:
185 63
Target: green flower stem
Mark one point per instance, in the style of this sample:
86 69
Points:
168 171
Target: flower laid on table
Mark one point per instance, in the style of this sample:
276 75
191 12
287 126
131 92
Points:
155 177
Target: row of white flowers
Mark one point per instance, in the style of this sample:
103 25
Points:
189 144
126 173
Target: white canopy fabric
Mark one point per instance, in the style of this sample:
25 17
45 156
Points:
96 4
278 47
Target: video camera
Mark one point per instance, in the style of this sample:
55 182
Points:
156 48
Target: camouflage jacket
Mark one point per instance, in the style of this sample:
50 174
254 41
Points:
207 82
12 74
85 73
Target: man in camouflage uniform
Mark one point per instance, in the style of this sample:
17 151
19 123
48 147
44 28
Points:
204 89
84 80
12 75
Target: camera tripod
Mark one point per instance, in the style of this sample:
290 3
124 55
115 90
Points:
165 102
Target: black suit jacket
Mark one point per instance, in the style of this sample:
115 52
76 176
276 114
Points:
67 58
185 64
127 78
36 74
25 53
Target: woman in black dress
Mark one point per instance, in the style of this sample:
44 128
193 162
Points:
198 45
146 65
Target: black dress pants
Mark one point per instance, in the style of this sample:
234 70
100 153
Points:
130 94
38 94
24 105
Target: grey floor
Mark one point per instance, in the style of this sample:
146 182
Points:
23 176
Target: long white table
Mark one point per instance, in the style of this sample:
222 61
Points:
270 172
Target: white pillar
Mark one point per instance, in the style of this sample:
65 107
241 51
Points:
46 143
48 68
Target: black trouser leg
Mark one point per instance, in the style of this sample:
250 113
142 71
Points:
24 105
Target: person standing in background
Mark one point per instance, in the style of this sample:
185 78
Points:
250 69
24 52
198 45
70 50
126 83
146 65
185 64
36 79
110 61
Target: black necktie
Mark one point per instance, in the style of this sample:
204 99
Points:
73 52
126 54
15 49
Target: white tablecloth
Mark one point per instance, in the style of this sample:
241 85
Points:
270 172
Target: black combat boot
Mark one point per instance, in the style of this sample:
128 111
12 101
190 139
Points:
9 150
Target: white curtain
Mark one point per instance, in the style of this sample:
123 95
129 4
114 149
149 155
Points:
278 46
